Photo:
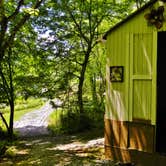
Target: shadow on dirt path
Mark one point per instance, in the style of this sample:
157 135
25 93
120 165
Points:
75 150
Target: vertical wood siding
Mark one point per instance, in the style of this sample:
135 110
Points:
141 76
142 99
132 45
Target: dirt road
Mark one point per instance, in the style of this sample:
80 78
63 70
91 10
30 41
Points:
35 147
35 122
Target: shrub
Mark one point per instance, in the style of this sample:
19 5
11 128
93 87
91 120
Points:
69 122
3 134
3 147
73 122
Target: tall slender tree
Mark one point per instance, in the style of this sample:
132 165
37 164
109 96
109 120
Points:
74 28
85 19
13 16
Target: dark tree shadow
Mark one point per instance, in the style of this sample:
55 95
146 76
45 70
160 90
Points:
79 149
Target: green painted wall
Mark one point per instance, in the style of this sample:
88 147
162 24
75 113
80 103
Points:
134 46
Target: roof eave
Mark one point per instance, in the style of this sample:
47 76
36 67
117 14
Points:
129 17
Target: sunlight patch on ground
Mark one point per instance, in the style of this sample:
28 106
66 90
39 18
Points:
44 143
13 151
79 145
28 162
74 145
58 151
23 151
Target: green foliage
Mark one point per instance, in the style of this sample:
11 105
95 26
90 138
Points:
79 26
31 11
3 135
68 122
55 54
65 121
67 31
74 122
12 19
22 106
3 147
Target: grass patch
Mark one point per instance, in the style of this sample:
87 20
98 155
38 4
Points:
21 107
54 122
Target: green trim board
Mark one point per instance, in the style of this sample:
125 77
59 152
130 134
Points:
154 80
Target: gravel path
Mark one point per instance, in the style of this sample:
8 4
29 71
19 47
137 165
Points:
35 122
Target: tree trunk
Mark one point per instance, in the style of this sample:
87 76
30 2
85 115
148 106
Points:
11 119
11 92
4 121
81 82
80 97
94 91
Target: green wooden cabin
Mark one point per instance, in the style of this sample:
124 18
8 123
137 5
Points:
135 117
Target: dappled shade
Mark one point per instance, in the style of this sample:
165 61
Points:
60 150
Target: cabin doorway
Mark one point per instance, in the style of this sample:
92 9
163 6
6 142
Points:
161 93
